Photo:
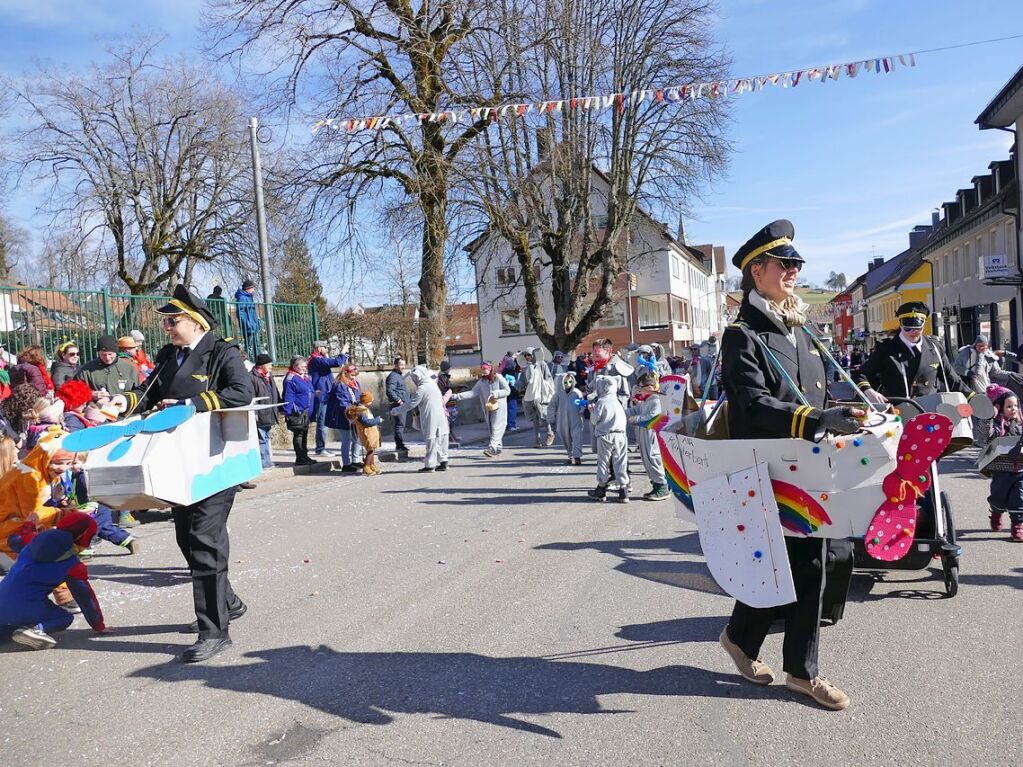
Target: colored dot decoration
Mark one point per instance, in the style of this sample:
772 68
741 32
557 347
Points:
857 442
752 493
824 496
792 467
876 541
740 528
816 449
864 461
758 553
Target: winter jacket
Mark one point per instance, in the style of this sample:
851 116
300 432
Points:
298 394
117 378
396 389
248 318
340 398
267 417
320 372
25 490
27 373
61 372
48 560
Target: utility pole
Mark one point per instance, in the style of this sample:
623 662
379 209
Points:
264 257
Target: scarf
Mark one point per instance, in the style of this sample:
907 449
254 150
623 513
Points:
264 375
790 313
46 378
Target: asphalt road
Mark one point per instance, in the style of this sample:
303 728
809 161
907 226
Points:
493 615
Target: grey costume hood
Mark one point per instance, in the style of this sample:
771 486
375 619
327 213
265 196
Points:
604 387
608 415
536 351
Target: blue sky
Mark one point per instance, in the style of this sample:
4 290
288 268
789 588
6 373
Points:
854 163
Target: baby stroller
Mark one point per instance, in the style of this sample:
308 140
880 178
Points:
935 530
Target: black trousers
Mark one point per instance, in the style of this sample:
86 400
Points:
300 441
201 532
748 626
399 431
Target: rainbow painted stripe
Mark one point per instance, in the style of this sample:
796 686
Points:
656 423
799 511
676 477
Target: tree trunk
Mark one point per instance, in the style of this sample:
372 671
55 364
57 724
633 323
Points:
433 288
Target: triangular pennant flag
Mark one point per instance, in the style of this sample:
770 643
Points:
795 78
912 60
887 67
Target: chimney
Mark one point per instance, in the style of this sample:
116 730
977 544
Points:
935 219
872 265
918 235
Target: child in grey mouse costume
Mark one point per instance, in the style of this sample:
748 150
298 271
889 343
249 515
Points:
648 405
568 421
609 421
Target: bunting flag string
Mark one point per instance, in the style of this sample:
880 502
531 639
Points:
621 101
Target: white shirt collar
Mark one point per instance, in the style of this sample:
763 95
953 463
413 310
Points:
918 346
195 343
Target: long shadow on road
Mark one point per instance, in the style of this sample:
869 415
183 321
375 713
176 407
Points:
505 496
370 688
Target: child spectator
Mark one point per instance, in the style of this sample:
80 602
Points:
648 405
367 427
566 416
1006 486
47 415
609 422
75 395
18 413
48 559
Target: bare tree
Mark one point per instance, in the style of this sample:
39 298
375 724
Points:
365 58
563 189
149 156
14 247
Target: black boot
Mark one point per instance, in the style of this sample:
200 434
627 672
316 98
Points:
598 493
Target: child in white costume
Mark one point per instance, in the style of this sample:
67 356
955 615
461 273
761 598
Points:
568 421
609 421
648 405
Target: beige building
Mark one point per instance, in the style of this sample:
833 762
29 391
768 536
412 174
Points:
973 252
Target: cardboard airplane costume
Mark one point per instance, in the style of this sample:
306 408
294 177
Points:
745 495
174 457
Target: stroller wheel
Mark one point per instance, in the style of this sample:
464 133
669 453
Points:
951 577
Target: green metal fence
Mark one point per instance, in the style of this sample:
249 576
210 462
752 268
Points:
47 317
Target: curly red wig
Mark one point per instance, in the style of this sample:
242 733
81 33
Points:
74 394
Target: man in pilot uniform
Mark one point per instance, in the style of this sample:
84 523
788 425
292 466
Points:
201 369
909 364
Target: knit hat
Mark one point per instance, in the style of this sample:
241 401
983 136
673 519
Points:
106 344
74 394
318 343
366 398
137 335
997 393
263 359
248 284
81 526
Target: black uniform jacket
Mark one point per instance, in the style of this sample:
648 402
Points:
211 377
760 402
892 365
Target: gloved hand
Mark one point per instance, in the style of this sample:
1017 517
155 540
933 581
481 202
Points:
875 397
841 420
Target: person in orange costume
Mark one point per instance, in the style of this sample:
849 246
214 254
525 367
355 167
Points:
26 488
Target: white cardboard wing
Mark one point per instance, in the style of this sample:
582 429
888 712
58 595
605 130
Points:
205 454
742 539
829 489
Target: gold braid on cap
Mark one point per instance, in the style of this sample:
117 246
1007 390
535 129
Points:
763 249
190 313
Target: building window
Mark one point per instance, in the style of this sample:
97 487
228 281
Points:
651 314
675 270
511 322
598 222
956 264
937 271
968 263
615 316
506 275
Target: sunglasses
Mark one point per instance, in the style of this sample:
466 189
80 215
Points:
788 263
71 354
170 322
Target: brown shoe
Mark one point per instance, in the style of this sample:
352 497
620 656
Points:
755 671
820 689
550 439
